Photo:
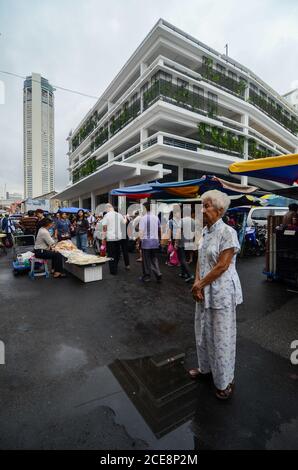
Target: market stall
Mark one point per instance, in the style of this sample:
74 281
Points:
87 268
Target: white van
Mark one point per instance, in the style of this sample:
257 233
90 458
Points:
258 215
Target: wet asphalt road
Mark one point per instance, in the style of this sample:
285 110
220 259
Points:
102 365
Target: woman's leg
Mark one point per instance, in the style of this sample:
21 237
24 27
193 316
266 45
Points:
57 262
201 339
183 264
221 341
124 248
84 242
78 240
57 259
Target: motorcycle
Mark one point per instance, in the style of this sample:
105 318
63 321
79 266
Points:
255 241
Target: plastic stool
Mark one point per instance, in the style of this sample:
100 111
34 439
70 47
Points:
35 272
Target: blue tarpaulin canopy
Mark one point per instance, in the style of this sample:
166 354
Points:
183 189
71 210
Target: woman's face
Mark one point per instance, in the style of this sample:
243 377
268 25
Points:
210 213
80 213
64 215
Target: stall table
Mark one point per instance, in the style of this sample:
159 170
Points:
86 273
88 270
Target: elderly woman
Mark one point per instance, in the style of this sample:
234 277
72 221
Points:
217 291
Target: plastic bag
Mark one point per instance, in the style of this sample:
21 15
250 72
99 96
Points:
102 250
170 248
173 258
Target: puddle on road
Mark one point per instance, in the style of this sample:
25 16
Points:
68 358
152 397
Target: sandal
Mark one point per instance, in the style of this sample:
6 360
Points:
195 374
225 394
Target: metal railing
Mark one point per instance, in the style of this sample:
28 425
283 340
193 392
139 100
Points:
273 112
219 78
172 93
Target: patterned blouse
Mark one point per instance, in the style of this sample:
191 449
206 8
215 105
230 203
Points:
226 290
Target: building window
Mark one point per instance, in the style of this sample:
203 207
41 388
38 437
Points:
212 104
144 88
134 98
155 78
220 69
166 76
254 88
182 83
199 91
232 75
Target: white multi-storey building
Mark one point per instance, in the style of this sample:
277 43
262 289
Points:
176 110
39 160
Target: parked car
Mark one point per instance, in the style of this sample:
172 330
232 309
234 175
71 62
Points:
258 215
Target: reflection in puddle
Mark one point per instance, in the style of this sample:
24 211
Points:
159 388
67 358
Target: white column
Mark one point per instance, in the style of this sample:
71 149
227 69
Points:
121 200
92 195
244 180
160 139
110 155
80 201
143 136
180 173
245 121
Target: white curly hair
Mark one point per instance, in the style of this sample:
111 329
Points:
218 199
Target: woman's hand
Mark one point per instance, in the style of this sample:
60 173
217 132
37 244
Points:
197 291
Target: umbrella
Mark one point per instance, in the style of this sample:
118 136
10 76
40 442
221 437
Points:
275 200
71 210
282 169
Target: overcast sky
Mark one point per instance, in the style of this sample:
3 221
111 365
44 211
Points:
82 44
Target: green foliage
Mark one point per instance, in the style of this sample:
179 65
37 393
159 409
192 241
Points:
212 136
86 169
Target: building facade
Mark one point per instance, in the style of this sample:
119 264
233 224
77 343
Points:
177 110
292 98
39 138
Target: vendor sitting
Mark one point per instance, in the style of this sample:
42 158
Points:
44 245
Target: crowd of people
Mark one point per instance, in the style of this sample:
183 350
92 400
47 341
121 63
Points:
113 234
216 287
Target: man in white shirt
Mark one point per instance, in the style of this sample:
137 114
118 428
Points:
112 224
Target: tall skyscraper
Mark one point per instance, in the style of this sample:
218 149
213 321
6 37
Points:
39 159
